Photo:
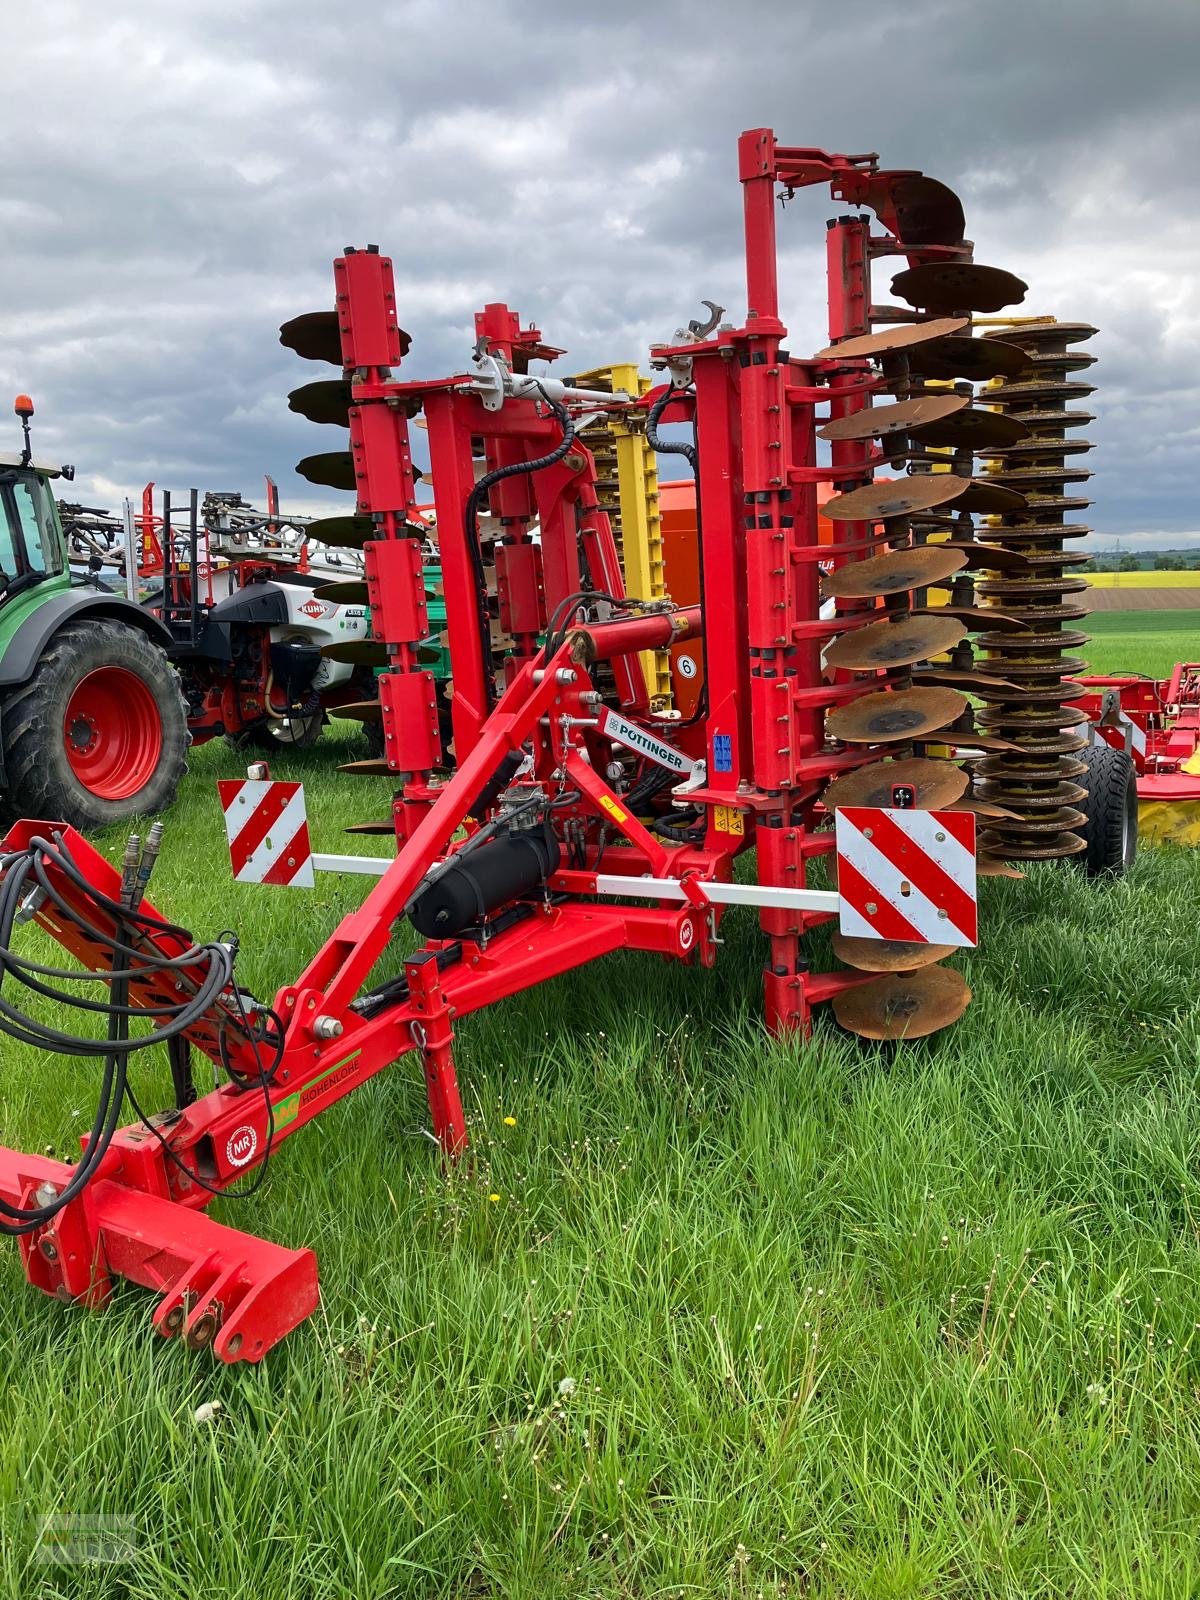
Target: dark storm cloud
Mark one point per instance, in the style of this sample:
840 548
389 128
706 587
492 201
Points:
178 179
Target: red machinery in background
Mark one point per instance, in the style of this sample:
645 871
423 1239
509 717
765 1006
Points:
577 821
1156 722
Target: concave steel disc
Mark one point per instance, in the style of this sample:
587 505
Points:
370 653
359 711
959 356
347 533
974 428
984 808
346 592
927 211
879 422
935 783
964 678
895 715
1064 844
977 617
888 955
315 336
327 400
985 497
948 286
888 340
374 768
986 557
1033 391
895 497
903 1005
992 867
332 468
1037 334
895 644
380 828
895 573
357 652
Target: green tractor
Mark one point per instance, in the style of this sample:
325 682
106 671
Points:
93 726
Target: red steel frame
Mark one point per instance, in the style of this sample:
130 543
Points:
762 735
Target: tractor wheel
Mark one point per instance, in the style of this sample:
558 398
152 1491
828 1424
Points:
99 733
278 734
1111 810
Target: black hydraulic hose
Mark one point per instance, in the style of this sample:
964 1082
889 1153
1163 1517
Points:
477 498
216 997
691 454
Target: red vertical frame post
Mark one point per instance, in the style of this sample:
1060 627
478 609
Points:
372 345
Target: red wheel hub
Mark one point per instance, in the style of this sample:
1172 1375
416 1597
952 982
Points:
113 733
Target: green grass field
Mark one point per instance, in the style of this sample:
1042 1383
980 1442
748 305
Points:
715 1315
1142 641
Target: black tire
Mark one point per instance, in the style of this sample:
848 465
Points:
280 734
128 744
1111 810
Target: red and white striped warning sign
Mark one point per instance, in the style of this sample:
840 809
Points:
907 874
267 828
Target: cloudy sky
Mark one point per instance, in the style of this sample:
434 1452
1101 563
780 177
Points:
177 179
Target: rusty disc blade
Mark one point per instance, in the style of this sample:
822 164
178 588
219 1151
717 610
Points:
327 400
359 711
888 955
903 1005
964 678
975 740
927 211
984 808
896 715
986 557
958 355
1038 334
376 767
947 286
879 422
895 644
315 336
992 867
895 573
977 617
902 336
380 828
332 468
347 533
357 652
346 592
936 784
987 498
974 428
895 497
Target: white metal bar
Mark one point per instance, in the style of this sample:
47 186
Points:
613 883
131 565
725 894
369 866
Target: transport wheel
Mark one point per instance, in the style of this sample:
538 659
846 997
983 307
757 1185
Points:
1111 810
287 733
99 733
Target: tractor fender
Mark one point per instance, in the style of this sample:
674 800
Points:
25 650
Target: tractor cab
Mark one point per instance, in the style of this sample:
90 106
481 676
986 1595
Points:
32 547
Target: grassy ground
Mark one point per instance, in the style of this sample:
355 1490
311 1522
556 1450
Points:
714 1315
1142 641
